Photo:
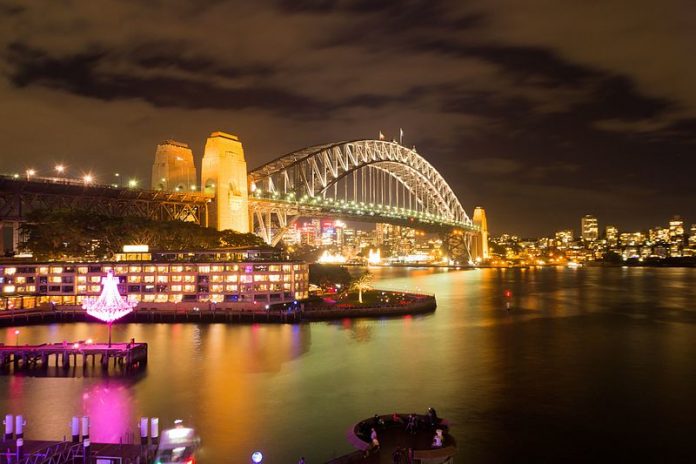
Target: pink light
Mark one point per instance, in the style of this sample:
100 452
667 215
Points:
110 305
16 332
76 345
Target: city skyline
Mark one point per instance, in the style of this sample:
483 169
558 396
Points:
524 114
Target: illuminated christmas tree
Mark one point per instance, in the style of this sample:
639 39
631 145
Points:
110 305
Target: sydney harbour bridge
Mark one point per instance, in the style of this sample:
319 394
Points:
362 180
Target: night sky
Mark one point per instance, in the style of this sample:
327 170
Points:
539 110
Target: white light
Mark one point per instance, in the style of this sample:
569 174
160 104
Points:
132 183
257 457
30 172
60 169
87 178
136 248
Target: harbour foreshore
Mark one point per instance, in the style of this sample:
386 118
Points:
226 313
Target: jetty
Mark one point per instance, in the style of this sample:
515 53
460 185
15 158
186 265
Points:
79 449
65 354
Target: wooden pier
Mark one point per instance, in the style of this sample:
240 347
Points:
127 355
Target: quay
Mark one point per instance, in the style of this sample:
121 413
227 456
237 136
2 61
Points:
152 313
128 355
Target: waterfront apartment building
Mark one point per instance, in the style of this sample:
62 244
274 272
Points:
232 277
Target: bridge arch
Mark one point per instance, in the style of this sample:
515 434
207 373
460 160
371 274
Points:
366 172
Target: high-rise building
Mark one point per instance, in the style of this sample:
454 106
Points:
612 235
173 169
590 228
676 228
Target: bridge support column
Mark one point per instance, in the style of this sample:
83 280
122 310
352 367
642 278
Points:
9 237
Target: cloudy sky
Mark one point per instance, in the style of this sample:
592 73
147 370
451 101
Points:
538 110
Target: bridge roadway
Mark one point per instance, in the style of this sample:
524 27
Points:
19 197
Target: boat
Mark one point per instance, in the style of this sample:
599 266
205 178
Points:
177 445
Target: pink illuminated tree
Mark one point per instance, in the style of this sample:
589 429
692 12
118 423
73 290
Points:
110 305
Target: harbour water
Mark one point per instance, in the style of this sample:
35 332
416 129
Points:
590 364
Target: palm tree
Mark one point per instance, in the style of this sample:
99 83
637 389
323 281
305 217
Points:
362 282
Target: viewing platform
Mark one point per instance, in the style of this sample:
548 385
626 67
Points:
127 355
400 442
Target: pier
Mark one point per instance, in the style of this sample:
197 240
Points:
128 355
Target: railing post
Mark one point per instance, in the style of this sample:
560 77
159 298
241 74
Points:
9 426
75 429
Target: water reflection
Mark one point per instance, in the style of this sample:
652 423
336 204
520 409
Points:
600 354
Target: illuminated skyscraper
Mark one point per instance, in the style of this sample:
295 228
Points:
589 228
612 235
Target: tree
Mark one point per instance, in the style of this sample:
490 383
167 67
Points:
362 283
62 234
329 275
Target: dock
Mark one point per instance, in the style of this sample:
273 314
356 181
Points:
126 355
66 452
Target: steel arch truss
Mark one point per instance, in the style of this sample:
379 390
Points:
364 177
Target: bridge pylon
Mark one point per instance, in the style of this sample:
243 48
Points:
224 174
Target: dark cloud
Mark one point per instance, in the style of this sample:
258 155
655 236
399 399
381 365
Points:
541 111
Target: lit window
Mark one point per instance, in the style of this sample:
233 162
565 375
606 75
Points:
82 269
56 270
231 288
189 278
231 278
176 288
204 269
217 268
162 279
162 269
260 278
149 269
135 269
149 279
176 278
189 288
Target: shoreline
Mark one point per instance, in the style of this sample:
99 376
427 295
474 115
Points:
222 313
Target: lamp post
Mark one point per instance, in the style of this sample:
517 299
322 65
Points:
118 178
30 172
17 337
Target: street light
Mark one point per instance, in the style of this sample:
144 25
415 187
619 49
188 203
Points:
60 169
17 336
118 178
87 178
132 183
30 172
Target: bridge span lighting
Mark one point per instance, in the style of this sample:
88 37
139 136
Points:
60 169
87 178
